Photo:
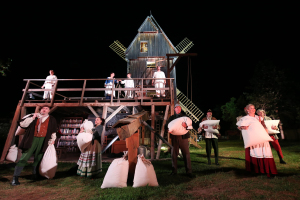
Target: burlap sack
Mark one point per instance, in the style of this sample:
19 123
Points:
144 173
176 128
12 154
48 164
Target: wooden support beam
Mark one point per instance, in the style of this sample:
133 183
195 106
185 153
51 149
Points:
37 109
152 150
82 93
53 109
53 93
114 113
162 131
132 143
11 133
24 93
143 134
23 114
93 111
104 115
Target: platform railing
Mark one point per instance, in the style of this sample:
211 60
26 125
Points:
139 91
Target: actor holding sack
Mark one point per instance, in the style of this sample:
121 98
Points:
274 137
182 142
40 132
211 138
90 160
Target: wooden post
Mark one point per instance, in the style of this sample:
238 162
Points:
132 143
152 134
23 114
37 109
53 93
104 115
82 93
162 131
25 92
11 133
143 134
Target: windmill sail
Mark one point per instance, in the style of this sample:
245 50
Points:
184 45
190 109
119 48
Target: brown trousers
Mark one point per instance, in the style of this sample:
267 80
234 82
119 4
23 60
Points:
183 144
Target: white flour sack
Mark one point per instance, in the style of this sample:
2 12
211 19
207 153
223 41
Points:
117 174
256 134
144 173
176 128
48 164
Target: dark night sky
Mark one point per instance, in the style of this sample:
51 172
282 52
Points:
73 40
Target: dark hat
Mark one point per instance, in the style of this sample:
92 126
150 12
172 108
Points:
44 106
209 110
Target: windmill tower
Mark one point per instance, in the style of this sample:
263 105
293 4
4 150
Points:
148 50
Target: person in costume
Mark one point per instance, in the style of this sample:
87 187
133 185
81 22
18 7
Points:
274 137
211 139
259 158
128 84
41 129
90 160
182 142
159 83
110 84
49 84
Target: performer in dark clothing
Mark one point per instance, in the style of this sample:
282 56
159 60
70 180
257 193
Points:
180 141
41 131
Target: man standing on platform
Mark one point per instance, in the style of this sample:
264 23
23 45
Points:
182 142
274 137
49 84
159 83
40 132
211 138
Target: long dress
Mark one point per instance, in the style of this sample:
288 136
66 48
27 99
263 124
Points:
259 158
90 161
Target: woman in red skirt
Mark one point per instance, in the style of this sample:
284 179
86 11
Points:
259 158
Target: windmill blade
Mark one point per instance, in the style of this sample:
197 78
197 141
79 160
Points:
190 109
184 45
119 48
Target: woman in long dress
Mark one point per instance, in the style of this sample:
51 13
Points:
259 158
89 163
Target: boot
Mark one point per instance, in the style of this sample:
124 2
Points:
34 174
15 181
280 158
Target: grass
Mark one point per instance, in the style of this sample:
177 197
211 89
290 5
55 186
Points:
227 181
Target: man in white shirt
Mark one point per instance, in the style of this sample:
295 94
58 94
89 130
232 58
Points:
128 84
159 83
49 84
211 139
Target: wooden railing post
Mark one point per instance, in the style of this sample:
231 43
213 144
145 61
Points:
152 150
53 92
142 92
25 92
82 93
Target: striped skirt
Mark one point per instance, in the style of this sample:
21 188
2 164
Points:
90 161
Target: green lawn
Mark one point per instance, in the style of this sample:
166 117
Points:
227 181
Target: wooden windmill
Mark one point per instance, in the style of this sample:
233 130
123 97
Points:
148 50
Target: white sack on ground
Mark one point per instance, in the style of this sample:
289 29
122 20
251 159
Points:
144 173
269 124
117 174
12 153
256 134
48 164
176 128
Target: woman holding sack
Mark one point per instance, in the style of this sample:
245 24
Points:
258 154
89 163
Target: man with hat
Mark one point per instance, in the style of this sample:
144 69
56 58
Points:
180 141
211 139
40 132
274 137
